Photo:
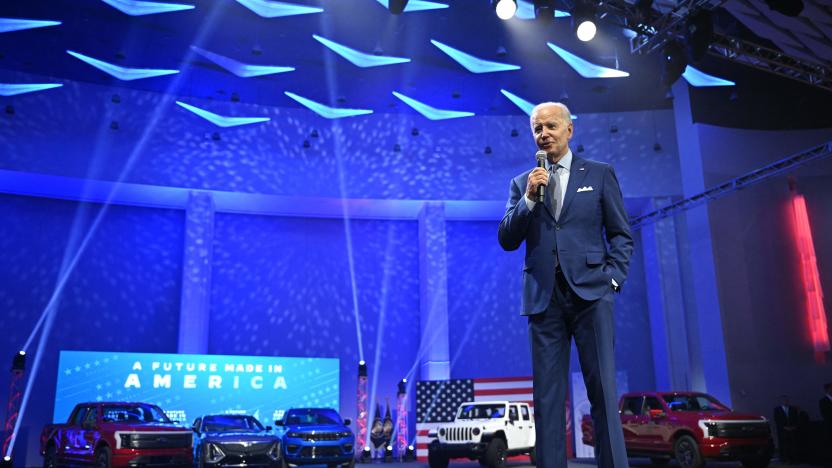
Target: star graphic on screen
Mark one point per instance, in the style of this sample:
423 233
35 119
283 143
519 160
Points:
98 387
68 371
98 398
109 395
77 368
97 362
87 366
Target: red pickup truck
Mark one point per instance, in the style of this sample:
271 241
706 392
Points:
689 427
116 435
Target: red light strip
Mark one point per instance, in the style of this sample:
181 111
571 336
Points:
812 290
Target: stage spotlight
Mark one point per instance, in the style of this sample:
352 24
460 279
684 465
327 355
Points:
6 462
388 453
583 21
786 7
674 63
19 361
410 453
397 6
505 9
699 31
366 455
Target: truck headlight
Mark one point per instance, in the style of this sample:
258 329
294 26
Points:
713 429
294 435
442 431
126 440
213 453
274 451
476 431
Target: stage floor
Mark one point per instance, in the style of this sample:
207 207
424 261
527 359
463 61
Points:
578 463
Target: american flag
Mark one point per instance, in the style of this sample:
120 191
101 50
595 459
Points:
438 400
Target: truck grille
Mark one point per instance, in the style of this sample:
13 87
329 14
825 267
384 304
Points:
458 434
156 440
740 430
246 448
321 436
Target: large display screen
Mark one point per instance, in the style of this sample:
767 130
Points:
187 386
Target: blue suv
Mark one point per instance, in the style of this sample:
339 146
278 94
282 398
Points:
316 436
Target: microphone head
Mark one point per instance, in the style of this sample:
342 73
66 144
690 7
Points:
540 155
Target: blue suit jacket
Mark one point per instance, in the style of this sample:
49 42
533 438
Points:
576 240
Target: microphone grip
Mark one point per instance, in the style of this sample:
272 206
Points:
541 189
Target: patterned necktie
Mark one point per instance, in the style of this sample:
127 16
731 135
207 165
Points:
557 203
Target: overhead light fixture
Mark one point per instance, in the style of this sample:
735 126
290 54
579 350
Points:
506 9
544 10
699 31
583 20
786 7
674 62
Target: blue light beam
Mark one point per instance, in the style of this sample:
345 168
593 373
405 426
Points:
357 58
19 24
326 111
222 121
273 9
431 113
587 69
525 11
122 73
13 89
525 105
140 8
417 5
243 70
701 79
471 63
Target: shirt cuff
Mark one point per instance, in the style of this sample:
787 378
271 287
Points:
529 203
614 283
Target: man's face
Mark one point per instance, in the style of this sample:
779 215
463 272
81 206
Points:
551 131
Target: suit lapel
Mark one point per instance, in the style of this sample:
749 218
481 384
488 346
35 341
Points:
576 177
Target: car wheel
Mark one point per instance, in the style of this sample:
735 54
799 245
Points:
495 453
533 456
437 460
50 458
102 458
755 462
658 461
687 453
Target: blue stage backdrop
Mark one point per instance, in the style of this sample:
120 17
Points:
187 386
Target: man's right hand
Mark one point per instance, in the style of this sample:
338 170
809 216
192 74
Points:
539 176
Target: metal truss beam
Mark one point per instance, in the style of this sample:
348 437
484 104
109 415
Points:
771 61
784 165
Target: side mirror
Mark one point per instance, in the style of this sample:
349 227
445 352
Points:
347 421
268 428
279 422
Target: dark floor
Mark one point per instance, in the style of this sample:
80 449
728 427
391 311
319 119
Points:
580 463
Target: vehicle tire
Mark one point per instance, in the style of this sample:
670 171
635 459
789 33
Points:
102 458
50 458
533 456
437 460
495 453
658 461
755 462
687 453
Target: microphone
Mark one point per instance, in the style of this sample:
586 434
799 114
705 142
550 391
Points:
541 162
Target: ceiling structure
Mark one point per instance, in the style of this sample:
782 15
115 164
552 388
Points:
232 50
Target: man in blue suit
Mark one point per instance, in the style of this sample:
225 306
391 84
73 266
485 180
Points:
578 247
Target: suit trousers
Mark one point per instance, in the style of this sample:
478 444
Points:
590 323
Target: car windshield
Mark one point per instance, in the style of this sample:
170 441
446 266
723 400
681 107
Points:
693 403
487 411
128 414
312 417
230 423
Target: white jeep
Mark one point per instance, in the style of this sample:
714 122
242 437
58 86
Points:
488 431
